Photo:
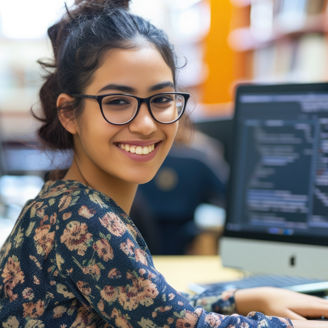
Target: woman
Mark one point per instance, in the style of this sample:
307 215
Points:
74 257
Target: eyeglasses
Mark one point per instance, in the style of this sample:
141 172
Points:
119 109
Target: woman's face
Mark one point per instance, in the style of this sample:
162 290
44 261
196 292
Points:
107 151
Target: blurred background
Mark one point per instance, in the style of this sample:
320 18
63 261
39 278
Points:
219 43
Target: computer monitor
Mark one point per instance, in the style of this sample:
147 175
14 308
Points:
277 211
1 149
30 159
1 159
25 167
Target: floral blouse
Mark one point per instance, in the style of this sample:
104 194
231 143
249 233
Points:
75 259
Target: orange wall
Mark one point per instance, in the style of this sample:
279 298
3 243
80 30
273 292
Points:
219 57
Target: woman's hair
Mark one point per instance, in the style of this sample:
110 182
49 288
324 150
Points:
79 40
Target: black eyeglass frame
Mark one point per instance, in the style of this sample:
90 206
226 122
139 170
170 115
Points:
140 100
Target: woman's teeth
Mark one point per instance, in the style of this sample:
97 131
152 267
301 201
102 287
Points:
139 150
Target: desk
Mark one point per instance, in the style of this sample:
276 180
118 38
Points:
180 271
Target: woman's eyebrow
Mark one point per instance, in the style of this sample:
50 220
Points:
125 88
162 85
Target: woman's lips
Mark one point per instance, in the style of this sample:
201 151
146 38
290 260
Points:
139 151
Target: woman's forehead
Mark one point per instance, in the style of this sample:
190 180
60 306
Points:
136 67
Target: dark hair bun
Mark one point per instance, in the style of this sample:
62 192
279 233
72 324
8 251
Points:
124 4
81 8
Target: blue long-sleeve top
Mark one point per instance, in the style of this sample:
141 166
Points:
75 259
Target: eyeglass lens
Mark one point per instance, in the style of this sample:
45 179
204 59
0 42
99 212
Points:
121 108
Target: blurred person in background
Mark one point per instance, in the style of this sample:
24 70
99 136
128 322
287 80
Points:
193 173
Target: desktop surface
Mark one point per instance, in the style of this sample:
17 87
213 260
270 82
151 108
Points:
199 274
183 271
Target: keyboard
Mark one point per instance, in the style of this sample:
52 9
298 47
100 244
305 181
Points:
298 284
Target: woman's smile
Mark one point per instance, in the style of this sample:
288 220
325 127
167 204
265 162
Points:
139 151
136 148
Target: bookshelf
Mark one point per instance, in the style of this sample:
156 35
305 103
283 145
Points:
280 40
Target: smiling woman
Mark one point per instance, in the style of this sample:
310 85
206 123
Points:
74 257
101 135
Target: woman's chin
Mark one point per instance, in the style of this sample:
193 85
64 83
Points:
143 179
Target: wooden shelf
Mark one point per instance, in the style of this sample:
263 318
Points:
244 39
280 40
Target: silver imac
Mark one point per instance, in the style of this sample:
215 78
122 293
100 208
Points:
277 212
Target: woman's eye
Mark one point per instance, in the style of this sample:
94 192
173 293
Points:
115 101
162 99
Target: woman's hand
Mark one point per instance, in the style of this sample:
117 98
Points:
282 303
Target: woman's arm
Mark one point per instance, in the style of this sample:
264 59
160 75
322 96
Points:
105 263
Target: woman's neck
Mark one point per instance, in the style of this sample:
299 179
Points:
121 192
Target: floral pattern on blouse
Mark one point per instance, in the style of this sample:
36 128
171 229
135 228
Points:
75 259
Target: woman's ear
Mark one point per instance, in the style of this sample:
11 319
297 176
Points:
66 116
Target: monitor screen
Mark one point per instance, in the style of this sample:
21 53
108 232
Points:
279 176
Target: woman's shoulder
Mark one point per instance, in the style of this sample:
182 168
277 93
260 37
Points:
68 199
83 214
71 193
68 206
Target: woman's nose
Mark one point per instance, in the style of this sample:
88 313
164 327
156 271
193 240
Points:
143 123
